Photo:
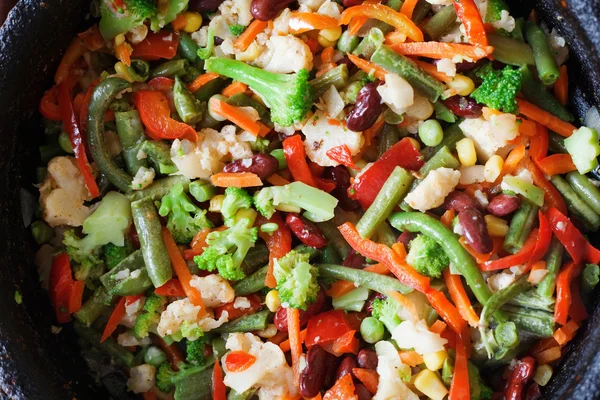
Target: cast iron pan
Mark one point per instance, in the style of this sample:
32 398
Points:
36 364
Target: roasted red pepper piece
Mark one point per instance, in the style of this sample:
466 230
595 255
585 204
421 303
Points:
519 377
61 284
92 38
49 105
238 361
162 44
575 243
279 243
342 154
521 257
219 390
155 113
327 327
161 83
234 313
446 310
295 155
347 343
543 241
563 291
459 389
171 288
114 319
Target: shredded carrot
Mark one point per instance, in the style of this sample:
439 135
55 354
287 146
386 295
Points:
248 36
301 22
408 7
545 118
447 217
285 345
293 321
277 180
460 298
334 122
399 249
234 88
411 358
527 127
340 288
236 179
379 268
439 50
438 326
557 164
405 302
394 37
566 333
367 67
123 53
548 356
561 86
201 80
279 338
512 161
179 22
240 117
432 70
356 24
327 54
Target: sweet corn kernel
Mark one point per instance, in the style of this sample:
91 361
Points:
462 84
123 72
415 143
435 361
216 203
288 208
466 152
119 39
496 226
493 167
193 21
323 41
272 301
251 53
331 34
542 375
428 383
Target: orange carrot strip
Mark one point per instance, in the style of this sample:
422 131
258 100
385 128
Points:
368 66
293 320
379 268
394 37
447 217
179 22
277 180
460 298
327 54
238 116
408 7
527 127
201 80
432 70
566 333
340 288
438 326
285 345
385 14
123 53
561 86
411 358
356 24
248 36
236 179
557 164
301 22
400 250
234 88
405 302
545 118
439 50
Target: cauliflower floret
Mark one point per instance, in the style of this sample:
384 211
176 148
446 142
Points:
215 290
311 4
331 102
241 303
490 136
331 9
281 24
501 280
235 12
183 311
285 54
143 178
559 47
409 335
505 22
127 339
432 190
270 372
205 157
141 378
397 93
446 66
201 36
456 35
473 174
322 136
63 193
390 369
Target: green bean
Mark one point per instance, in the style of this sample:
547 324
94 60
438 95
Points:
149 229
536 93
385 235
65 143
333 235
242 100
347 42
554 257
388 137
452 135
447 371
441 23
575 204
139 70
531 299
337 77
536 322
246 323
218 346
202 191
420 12
422 82
95 306
511 51
520 226
256 257
134 283
588 192
159 188
188 49
41 232
370 280
392 192
589 278
329 255
369 43
194 386
443 113
209 89
170 68
131 135
395 4
108 346
187 106
556 143
280 156
391 118
158 152
544 59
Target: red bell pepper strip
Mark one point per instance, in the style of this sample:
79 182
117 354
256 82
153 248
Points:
342 154
238 361
383 254
552 197
61 283
155 113
468 13
172 288
575 243
402 154
92 38
49 105
162 44
459 388
538 144
295 155
219 390
279 243
577 311
70 124
161 83
72 55
327 327
521 257
342 390
446 310
543 242
519 377
235 313
347 343
114 319
563 291
76 297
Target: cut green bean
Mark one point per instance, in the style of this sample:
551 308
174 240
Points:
556 143
333 235
421 11
379 283
202 191
536 93
188 49
159 188
575 204
440 23
41 232
139 70
536 322
531 299
247 323
369 43
131 135
388 137
194 386
256 257
337 77
586 190
187 105
443 113
209 89
159 154
452 135
347 42
511 51
392 192
170 68
136 282
109 346
544 59
95 306
520 226
329 255
554 260
149 229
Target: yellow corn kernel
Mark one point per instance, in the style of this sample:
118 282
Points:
435 361
466 152
288 208
123 72
428 383
216 203
119 39
462 84
421 109
542 375
323 41
331 34
251 53
415 143
496 226
193 21
272 301
493 167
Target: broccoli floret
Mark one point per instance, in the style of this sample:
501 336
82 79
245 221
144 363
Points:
427 256
235 199
494 10
185 218
499 88
88 262
195 351
164 377
227 249
260 145
319 205
296 280
289 96
386 310
479 390
206 52
115 21
113 255
150 316
237 29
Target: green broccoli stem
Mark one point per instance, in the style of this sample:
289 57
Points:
544 59
158 189
575 204
379 283
99 303
536 93
511 51
246 323
131 136
520 226
369 43
130 285
337 77
452 135
333 235
440 23
538 323
586 190
108 346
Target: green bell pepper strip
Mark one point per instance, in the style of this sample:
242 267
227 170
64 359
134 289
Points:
102 96
188 107
379 283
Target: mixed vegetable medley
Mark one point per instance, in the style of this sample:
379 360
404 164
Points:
319 199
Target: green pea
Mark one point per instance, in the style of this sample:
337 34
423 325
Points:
431 133
65 143
41 232
278 154
155 356
371 330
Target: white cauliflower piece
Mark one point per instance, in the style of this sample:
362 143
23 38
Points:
63 193
409 335
215 290
220 26
285 54
141 378
138 34
501 280
227 47
311 4
396 93
432 190
209 323
201 36
182 312
322 136
490 136
331 102
270 372
235 12
559 47
143 178
506 22
281 24
473 174
331 9
241 303
127 339
456 35
446 66
391 369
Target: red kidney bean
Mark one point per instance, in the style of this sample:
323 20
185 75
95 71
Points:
355 260
265 10
351 3
280 319
503 204
306 231
367 109
341 177
346 60
331 363
466 66
313 374
519 377
533 392
459 201
204 5
405 238
463 106
475 230
346 366
362 392
263 165
367 358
